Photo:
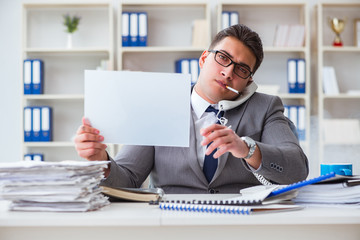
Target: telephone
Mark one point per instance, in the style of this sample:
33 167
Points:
225 105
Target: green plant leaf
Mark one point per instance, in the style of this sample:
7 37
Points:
71 23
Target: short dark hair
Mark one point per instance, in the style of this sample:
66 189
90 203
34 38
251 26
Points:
247 36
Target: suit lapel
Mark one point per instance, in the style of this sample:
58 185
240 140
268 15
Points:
191 154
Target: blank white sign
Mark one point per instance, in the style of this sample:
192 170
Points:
139 108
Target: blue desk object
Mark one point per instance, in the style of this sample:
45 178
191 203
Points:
301 184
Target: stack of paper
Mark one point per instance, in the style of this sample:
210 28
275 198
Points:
70 186
342 194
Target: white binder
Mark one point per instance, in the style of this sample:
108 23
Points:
27 124
143 27
291 75
27 76
194 69
46 124
36 123
125 28
234 18
225 20
301 76
301 123
134 33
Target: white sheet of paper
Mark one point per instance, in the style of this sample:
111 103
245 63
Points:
139 108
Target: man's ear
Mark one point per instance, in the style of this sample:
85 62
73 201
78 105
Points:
250 81
203 58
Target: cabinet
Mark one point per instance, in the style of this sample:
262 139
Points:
264 17
342 106
44 37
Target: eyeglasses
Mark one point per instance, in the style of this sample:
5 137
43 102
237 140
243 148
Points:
240 70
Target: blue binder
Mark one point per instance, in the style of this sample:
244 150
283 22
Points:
292 75
182 65
194 70
27 75
134 29
125 29
234 18
46 124
38 157
36 123
143 28
293 116
27 124
225 19
229 18
301 122
188 66
37 76
300 75
28 157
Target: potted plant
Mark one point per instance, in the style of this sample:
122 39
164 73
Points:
71 24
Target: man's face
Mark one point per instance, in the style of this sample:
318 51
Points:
213 77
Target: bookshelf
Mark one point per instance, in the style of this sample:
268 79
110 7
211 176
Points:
263 17
169 39
345 61
44 37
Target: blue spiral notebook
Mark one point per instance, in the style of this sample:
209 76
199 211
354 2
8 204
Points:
301 184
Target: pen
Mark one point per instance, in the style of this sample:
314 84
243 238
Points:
231 89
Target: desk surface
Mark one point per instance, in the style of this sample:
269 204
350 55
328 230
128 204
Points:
126 217
143 214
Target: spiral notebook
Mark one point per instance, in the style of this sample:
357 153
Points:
227 209
261 198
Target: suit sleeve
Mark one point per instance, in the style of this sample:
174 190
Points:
283 160
130 167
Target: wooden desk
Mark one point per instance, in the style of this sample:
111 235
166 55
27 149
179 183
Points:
143 221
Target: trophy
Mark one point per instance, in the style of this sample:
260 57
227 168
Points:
337 25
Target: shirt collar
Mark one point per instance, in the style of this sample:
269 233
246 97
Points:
199 104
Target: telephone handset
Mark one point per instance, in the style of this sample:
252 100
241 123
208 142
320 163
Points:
225 105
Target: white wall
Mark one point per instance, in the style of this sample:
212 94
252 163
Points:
10 69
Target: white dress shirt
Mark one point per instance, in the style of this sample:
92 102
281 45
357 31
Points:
201 119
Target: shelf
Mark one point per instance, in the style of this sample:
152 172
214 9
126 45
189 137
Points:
49 144
285 49
54 97
164 3
344 60
346 4
65 50
341 49
292 95
341 96
66 5
342 144
262 3
161 49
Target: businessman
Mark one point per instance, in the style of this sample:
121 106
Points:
238 137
